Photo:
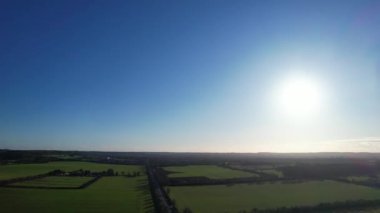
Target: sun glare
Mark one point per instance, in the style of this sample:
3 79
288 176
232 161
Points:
300 97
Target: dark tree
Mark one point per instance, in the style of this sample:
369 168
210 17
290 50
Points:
110 172
187 210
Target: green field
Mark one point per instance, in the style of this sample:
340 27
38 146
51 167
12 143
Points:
358 178
22 170
55 181
109 194
209 171
272 172
221 198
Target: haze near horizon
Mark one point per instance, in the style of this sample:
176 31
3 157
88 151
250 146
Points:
190 76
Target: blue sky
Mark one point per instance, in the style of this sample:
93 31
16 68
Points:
187 75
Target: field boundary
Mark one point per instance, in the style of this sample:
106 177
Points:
337 207
201 181
4 183
375 185
82 186
161 200
260 174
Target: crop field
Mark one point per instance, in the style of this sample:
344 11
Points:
22 170
222 198
209 171
108 194
55 181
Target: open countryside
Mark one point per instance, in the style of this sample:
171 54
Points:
125 190
245 197
185 183
190 106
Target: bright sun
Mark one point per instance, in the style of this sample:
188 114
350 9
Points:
300 97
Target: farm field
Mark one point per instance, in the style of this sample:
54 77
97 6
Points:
209 171
22 170
55 181
222 198
108 194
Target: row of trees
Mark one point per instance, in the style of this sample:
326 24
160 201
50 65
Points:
81 172
346 206
27 178
160 198
175 208
372 182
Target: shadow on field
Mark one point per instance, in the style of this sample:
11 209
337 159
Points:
145 196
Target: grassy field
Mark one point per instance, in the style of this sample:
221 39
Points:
109 194
221 198
358 178
210 171
256 167
272 172
55 181
22 170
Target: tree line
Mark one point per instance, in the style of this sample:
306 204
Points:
345 206
108 172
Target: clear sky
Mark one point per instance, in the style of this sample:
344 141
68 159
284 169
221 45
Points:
190 75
